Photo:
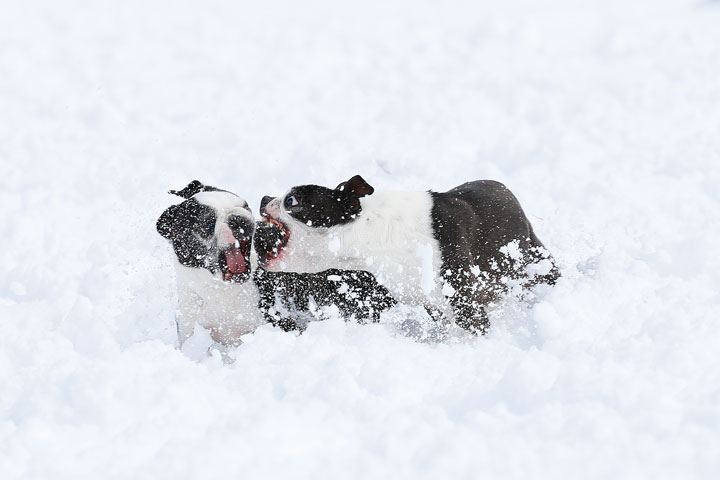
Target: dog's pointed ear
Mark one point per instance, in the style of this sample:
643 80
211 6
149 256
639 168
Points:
165 222
356 187
192 188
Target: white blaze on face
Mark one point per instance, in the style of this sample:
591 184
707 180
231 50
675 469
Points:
224 204
225 236
220 199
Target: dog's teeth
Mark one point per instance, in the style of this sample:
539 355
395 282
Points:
237 244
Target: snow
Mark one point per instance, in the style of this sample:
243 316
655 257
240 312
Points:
601 117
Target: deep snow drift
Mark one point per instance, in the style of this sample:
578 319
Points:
602 117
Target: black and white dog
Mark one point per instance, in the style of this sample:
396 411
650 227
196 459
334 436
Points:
211 232
452 252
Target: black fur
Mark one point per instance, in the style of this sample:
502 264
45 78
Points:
323 207
190 225
472 222
265 200
195 187
285 297
182 224
191 189
268 238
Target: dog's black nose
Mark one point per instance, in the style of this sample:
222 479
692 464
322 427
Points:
265 200
241 226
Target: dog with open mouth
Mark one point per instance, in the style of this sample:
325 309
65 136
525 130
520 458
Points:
212 232
454 252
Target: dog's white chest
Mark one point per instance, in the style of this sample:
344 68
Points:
228 310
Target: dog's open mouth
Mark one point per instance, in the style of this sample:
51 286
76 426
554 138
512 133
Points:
271 237
235 262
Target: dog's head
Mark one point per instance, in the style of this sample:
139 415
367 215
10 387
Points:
308 207
211 229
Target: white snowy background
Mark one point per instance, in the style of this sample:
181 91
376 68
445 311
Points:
603 117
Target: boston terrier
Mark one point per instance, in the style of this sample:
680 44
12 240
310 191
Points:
211 232
453 252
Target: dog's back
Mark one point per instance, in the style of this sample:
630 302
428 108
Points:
486 240
476 220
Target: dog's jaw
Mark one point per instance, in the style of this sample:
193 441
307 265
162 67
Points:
300 247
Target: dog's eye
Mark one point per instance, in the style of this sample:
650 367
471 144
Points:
291 202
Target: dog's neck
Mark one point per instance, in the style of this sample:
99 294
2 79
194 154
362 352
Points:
228 310
388 222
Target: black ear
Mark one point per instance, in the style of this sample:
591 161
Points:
356 187
166 221
192 188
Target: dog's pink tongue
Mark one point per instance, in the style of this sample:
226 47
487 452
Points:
235 261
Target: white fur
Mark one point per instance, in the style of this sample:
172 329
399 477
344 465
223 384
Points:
228 310
225 204
220 200
392 238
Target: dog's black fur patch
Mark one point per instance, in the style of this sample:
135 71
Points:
194 187
268 239
324 207
285 297
189 226
472 223
186 225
